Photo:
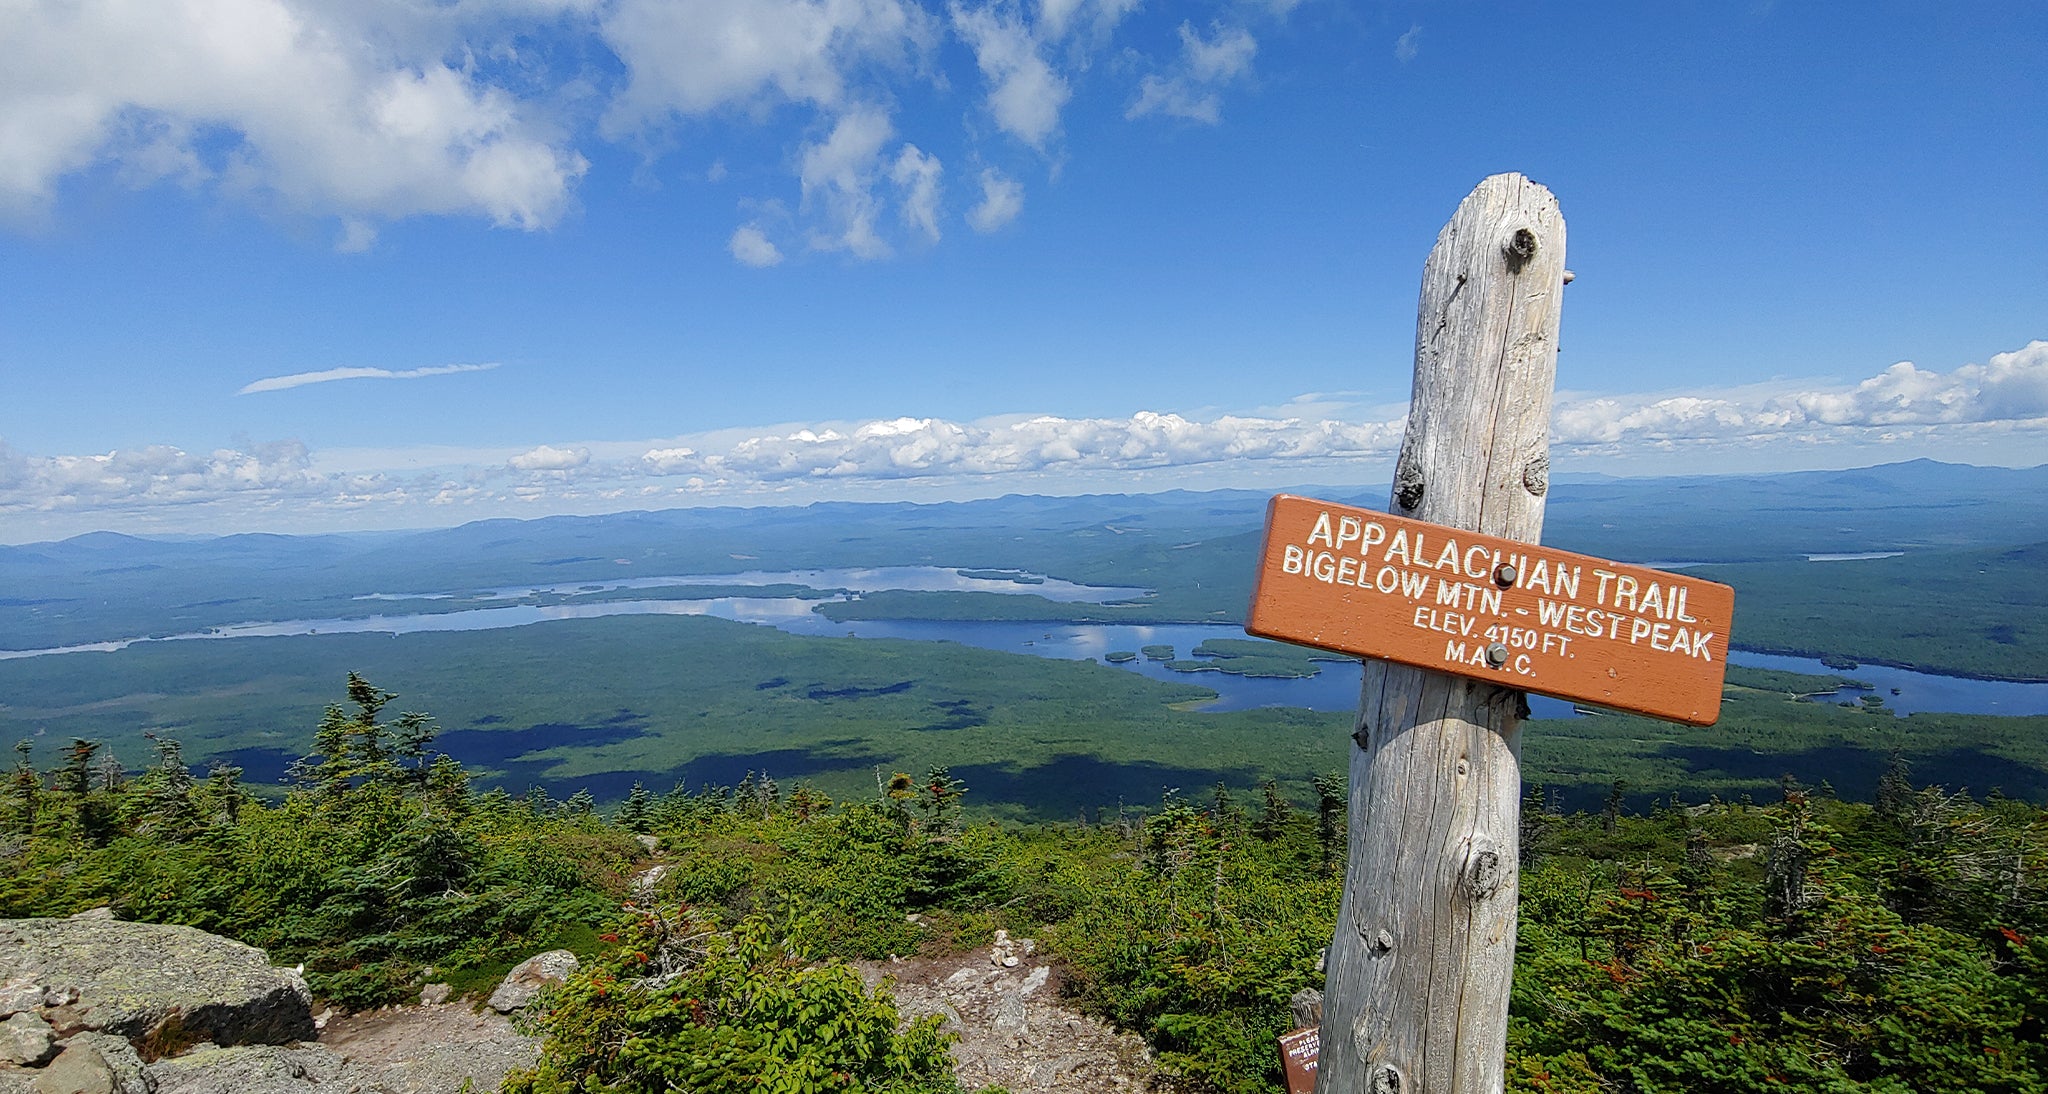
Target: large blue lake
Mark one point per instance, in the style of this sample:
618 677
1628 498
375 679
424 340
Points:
1334 688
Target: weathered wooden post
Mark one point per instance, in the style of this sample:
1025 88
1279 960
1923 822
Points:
1419 971
1459 612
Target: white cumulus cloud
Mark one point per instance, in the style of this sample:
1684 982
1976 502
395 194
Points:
154 475
1025 94
691 59
367 113
917 175
912 448
287 101
1002 198
1192 89
2010 390
166 487
751 247
838 177
549 458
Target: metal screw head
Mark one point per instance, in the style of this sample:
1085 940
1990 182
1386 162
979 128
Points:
1496 655
1504 574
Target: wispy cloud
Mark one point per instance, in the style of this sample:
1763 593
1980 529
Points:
1409 44
1192 90
301 379
2000 405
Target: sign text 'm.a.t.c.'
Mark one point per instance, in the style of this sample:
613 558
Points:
1517 614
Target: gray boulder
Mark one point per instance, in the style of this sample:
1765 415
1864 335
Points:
27 1039
94 1063
18 994
526 979
263 1069
162 987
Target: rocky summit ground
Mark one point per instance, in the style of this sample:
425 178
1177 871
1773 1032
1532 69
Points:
1014 1031
431 1048
94 1005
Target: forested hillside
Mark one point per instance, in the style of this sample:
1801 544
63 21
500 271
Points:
1801 941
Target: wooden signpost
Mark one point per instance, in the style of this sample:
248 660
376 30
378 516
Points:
1416 993
1510 613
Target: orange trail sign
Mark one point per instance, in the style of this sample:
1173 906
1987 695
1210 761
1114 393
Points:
1517 614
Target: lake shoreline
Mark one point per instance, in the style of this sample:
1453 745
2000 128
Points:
1889 663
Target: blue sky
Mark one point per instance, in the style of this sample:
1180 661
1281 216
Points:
293 265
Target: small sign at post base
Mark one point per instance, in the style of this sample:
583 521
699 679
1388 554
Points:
1298 1052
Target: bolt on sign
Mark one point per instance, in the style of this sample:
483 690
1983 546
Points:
1518 614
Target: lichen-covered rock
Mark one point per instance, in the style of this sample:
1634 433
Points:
94 1063
527 978
17 994
163 987
26 1039
432 1049
263 1069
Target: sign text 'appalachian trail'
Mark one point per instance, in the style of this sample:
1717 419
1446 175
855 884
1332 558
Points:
1517 614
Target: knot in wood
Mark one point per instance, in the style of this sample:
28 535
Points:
1483 873
1519 249
1386 1079
1408 485
1536 476
1363 737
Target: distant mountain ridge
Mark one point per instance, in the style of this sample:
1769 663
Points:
107 585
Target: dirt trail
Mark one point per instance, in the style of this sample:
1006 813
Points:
1014 1030
431 1048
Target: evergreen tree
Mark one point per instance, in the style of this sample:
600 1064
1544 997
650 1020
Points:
74 777
896 796
1229 814
939 805
166 792
223 794
638 811
412 743
1610 814
1331 792
447 789
24 789
1274 814
1895 788
807 802
351 750
1535 821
